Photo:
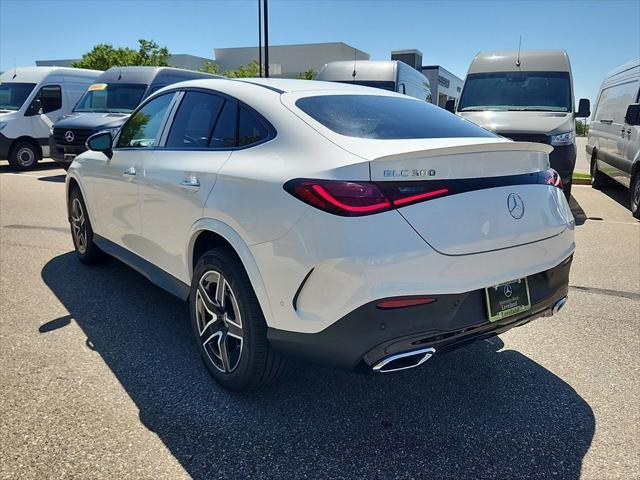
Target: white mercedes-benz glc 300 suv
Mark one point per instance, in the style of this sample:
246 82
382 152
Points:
343 224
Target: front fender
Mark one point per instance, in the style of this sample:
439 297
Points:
245 255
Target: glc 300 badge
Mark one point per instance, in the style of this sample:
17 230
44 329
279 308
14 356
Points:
410 173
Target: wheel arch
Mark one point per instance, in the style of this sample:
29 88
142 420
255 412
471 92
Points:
210 233
72 182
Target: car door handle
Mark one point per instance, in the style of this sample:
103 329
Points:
191 183
129 172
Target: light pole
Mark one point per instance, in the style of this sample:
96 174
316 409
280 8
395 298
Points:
266 39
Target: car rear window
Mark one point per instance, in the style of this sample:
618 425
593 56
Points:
386 117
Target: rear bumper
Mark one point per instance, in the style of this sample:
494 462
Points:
367 335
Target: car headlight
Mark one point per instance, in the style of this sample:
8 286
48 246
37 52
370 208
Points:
2 125
566 138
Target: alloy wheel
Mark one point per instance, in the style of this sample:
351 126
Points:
219 321
78 225
635 195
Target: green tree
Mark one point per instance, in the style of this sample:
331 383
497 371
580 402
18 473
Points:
308 74
210 67
104 56
581 128
252 69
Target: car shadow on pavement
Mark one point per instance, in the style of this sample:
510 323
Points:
54 178
474 413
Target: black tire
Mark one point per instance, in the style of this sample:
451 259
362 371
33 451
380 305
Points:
24 156
634 195
598 179
81 231
566 189
250 363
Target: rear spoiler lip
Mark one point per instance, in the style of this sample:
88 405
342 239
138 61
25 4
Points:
473 148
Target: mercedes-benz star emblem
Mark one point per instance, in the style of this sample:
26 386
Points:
69 136
508 291
515 205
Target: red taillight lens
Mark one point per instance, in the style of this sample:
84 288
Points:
551 177
349 199
404 302
353 199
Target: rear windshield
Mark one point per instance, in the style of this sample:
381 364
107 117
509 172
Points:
382 117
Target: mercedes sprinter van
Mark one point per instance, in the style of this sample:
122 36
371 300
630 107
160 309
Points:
526 96
107 104
613 147
31 100
391 75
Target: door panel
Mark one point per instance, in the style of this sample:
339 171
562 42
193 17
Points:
115 187
175 187
116 184
179 176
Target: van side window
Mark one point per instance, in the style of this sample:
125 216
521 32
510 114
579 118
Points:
51 98
142 128
250 128
224 133
614 100
194 121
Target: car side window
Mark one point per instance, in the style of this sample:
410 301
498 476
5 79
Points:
250 128
51 98
224 133
141 130
194 121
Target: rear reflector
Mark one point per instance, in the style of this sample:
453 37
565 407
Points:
404 302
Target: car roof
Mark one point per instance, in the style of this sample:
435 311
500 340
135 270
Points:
276 85
530 60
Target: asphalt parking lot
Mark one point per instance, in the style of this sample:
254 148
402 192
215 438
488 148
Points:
100 378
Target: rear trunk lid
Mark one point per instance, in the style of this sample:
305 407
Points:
495 196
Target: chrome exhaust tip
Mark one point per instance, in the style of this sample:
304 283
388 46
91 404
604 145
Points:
558 305
403 361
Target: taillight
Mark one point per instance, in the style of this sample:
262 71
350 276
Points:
353 199
551 177
349 199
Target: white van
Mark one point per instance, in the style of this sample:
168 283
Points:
528 97
613 146
31 100
391 75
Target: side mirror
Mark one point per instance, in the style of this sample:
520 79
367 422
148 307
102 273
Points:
450 106
35 108
584 108
632 117
100 142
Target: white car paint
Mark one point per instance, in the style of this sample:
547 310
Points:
449 245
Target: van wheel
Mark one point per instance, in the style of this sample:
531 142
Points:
24 156
229 326
634 195
598 179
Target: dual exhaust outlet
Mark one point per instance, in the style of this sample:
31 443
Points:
415 358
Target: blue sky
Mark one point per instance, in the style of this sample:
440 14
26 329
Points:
598 34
